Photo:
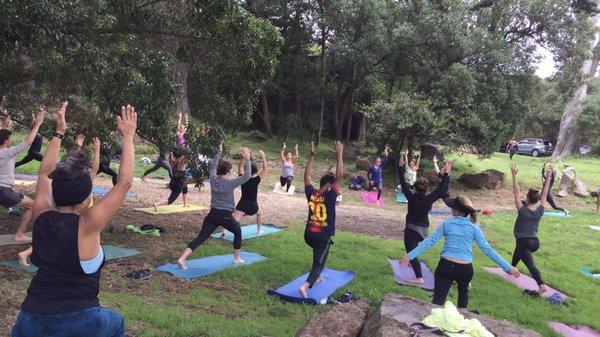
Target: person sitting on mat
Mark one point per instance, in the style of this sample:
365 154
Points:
248 204
529 215
34 152
411 168
550 197
222 205
419 206
374 175
62 299
8 196
287 167
177 185
320 226
457 254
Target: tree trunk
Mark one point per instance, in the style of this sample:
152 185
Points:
349 116
264 115
323 79
567 142
362 130
281 128
336 112
182 69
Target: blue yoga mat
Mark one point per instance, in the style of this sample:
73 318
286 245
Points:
209 265
110 253
440 212
588 272
333 280
401 198
102 192
249 232
557 214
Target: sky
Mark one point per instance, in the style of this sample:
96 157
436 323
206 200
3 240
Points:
545 68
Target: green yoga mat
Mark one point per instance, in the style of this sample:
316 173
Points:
170 209
110 253
7 239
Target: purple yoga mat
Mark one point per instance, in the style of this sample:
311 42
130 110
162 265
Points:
573 330
25 177
403 274
370 198
524 282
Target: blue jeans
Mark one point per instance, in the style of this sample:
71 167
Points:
91 322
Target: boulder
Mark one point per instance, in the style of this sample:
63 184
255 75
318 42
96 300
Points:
398 312
363 163
580 189
343 320
566 184
259 136
430 150
431 176
490 179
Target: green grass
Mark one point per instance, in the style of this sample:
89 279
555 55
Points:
242 308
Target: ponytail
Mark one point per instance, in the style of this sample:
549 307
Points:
474 217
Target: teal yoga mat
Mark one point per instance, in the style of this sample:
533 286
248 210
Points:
401 198
110 253
249 232
557 214
209 265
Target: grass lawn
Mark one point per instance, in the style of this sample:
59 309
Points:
240 307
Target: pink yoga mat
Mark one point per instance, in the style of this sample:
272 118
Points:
573 330
524 282
370 198
403 274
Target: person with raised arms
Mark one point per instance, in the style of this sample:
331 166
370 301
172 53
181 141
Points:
375 173
177 185
8 196
320 226
550 198
528 219
222 205
456 261
35 150
62 299
287 167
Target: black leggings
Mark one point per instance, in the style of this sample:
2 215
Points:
286 181
31 155
214 219
445 274
524 252
411 241
105 168
378 187
512 152
320 244
552 203
177 188
160 163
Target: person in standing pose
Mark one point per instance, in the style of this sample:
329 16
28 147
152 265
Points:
105 157
222 205
34 152
512 147
320 226
526 226
375 173
550 197
287 167
177 185
161 162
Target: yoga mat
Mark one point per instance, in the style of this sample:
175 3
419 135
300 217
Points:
209 265
279 190
573 330
24 183
333 280
110 253
249 232
440 212
370 198
26 177
596 228
102 192
7 239
168 209
588 272
524 282
403 274
557 214
401 198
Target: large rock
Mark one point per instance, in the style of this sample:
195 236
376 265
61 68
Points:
580 189
363 163
343 320
575 185
490 179
430 150
398 312
566 184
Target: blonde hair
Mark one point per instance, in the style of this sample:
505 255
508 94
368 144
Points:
468 207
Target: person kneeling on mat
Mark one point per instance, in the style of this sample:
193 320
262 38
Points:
457 255
62 299
177 184
222 205
287 168
320 226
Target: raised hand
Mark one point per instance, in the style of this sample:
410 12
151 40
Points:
448 166
221 146
262 154
245 153
79 140
96 144
296 147
435 159
61 122
401 160
127 122
312 148
339 148
549 172
40 117
513 169
284 147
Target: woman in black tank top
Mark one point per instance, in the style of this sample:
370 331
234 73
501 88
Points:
62 299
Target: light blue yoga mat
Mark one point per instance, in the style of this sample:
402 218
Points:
557 214
102 192
440 212
332 281
249 232
588 272
209 265
110 253
401 198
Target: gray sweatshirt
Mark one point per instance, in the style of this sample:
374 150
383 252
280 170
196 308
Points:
7 164
221 188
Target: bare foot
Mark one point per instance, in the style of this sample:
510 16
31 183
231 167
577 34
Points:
181 263
186 205
302 291
542 289
260 232
320 279
143 178
22 237
22 257
155 208
238 261
417 281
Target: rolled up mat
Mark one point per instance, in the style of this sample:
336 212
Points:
209 265
110 253
573 330
26 177
401 198
101 191
596 228
440 212
588 272
524 282
403 274
557 214
249 232
168 209
370 198
318 294
8 239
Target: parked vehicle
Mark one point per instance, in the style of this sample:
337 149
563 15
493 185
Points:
535 147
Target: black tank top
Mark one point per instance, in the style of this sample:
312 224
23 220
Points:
250 189
60 285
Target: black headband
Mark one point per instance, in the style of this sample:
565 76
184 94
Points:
70 192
